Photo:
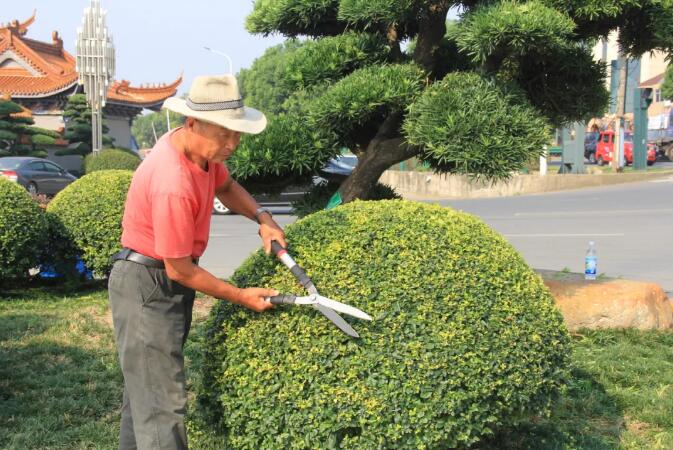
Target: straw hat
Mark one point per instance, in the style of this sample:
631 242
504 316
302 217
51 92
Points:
217 100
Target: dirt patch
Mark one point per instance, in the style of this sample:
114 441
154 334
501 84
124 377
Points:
202 306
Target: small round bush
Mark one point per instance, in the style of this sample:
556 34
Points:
465 340
91 211
111 159
22 231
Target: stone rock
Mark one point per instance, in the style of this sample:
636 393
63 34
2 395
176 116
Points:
609 303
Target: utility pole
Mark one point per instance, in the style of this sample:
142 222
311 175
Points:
95 66
620 110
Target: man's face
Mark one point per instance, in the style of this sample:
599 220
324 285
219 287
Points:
212 142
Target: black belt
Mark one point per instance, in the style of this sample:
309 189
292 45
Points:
126 254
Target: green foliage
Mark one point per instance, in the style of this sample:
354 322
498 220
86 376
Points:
317 198
465 341
22 231
331 58
111 159
381 14
77 116
288 148
353 107
144 127
465 124
573 89
17 135
91 211
58 252
667 86
295 17
538 52
496 32
644 25
263 86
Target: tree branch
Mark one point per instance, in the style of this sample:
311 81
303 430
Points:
432 27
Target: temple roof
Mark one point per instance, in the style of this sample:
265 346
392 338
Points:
35 69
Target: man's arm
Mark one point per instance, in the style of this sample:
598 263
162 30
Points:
185 272
234 197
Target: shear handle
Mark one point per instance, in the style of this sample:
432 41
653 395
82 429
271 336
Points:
282 299
290 263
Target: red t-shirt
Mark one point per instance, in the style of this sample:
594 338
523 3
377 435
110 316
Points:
169 204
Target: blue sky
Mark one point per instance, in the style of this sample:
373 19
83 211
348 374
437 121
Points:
155 39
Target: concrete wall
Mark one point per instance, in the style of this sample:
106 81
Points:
71 163
120 130
49 121
415 185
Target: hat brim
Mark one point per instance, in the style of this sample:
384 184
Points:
251 121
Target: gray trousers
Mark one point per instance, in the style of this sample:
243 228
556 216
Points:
152 316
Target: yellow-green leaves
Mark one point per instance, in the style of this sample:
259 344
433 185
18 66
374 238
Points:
465 337
91 211
22 231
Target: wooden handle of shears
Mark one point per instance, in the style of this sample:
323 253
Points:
282 299
286 259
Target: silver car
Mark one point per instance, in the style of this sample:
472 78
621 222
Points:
37 175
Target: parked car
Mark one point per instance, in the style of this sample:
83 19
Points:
590 140
606 144
37 175
337 169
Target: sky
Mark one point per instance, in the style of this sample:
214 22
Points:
155 40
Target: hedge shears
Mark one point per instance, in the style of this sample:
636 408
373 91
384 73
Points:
325 305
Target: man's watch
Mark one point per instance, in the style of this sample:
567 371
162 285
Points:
261 211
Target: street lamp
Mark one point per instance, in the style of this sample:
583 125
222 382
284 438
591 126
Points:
95 66
217 52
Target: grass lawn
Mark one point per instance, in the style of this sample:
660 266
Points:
60 385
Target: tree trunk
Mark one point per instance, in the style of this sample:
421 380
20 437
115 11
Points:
619 111
372 165
432 27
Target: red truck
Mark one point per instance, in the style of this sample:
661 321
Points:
606 144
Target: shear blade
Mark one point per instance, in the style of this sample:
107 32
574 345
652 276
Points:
336 320
343 308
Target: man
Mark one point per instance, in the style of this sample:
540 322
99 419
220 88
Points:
165 230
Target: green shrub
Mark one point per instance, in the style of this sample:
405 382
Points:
111 159
22 231
465 340
91 211
59 253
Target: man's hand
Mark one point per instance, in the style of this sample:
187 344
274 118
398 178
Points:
253 298
269 231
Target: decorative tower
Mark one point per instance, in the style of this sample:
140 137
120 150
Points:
95 66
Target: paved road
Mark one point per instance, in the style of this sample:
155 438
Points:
632 225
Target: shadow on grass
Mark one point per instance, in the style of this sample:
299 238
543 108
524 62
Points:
54 394
585 417
32 290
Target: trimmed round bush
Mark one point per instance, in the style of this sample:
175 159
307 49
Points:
465 337
111 159
91 211
22 231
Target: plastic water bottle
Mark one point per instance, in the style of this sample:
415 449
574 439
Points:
590 262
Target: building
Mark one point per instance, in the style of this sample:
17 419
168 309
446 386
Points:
646 71
40 76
